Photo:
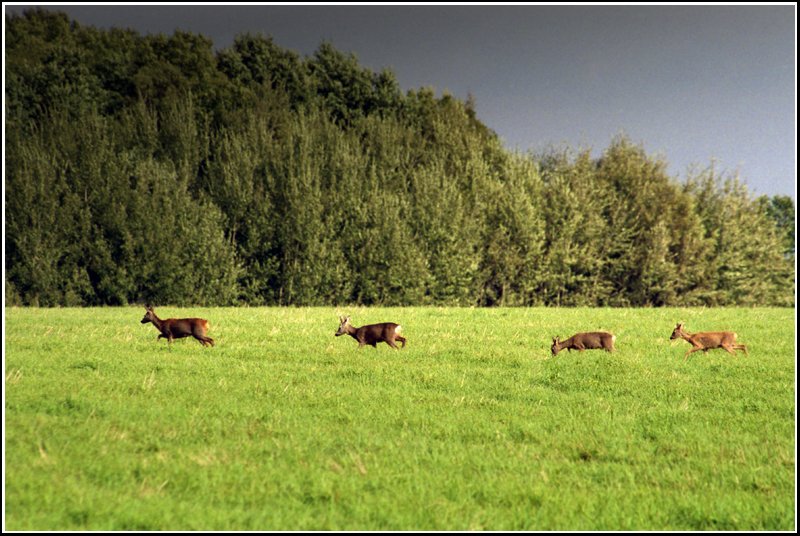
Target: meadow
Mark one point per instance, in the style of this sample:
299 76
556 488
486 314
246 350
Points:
473 426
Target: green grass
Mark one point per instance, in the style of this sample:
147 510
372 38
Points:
473 426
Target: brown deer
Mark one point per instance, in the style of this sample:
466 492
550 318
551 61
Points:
585 341
372 334
708 340
178 328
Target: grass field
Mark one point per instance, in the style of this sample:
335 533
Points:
473 426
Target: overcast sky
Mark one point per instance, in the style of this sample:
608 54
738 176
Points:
690 83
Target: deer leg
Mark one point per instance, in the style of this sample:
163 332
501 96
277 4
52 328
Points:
692 350
401 339
741 347
202 338
391 343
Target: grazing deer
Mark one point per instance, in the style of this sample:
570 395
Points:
708 340
585 341
178 328
372 334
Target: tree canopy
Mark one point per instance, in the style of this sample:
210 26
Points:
152 168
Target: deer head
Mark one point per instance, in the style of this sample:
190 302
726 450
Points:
149 314
678 332
554 348
344 322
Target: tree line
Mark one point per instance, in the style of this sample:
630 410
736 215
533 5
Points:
154 169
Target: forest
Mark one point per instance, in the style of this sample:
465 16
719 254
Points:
156 169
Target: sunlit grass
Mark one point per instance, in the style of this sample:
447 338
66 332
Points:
473 426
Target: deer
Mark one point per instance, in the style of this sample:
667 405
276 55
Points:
178 328
371 334
707 340
585 341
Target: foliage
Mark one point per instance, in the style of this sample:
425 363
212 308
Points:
780 208
154 168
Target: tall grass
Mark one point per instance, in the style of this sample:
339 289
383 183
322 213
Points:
473 426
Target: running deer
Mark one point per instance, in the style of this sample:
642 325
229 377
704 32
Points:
708 340
372 334
178 328
585 341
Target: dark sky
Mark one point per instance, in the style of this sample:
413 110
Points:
693 84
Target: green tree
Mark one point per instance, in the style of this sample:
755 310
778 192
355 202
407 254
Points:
577 241
644 270
342 84
780 208
746 258
513 236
